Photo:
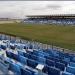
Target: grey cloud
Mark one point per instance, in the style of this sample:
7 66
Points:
22 8
53 6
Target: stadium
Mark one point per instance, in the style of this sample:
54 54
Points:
59 19
36 44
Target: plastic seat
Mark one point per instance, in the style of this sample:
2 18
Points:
9 54
26 55
72 64
32 72
67 73
53 58
3 47
4 67
53 71
12 47
61 55
30 47
73 59
70 69
41 60
60 66
45 69
64 62
33 57
32 63
20 53
35 52
50 62
25 47
25 72
22 60
15 68
15 56
67 60
8 60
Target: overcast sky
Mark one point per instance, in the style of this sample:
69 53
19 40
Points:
19 9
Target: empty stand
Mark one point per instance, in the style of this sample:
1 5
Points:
25 60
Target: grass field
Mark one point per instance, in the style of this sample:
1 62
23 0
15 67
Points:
63 36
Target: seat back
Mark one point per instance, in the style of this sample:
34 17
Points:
72 64
53 71
50 62
9 54
67 73
22 59
20 53
60 66
25 72
3 47
32 63
15 68
4 67
15 56
70 69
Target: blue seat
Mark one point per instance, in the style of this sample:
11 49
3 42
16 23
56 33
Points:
53 71
53 58
12 41
31 63
22 59
25 72
66 55
9 54
60 66
32 72
12 47
20 53
30 52
61 55
3 47
67 73
64 62
33 57
15 68
15 56
26 55
73 59
67 60
30 47
4 67
45 69
8 60
35 52
40 54
25 47
41 60
72 64
49 52
70 70
50 62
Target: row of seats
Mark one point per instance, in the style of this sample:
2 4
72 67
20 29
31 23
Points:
50 21
16 67
50 63
54 62
14 45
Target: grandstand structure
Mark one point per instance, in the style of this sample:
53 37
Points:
62 19
25 58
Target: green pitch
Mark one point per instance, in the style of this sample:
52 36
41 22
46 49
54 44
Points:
63 36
